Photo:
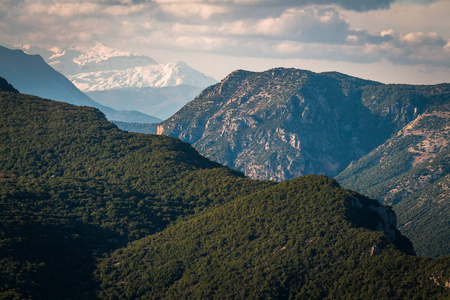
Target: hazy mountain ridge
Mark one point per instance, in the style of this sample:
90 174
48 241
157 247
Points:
137 127
163 102
30 74
124 80
75 59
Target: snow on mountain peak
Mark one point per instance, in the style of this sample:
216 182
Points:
78 59
99 53
101 68
162 75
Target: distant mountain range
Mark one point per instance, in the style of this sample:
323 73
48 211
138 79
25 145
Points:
124 80
30 74
91 212
387 141
284 123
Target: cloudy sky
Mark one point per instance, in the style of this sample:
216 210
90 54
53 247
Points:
398 41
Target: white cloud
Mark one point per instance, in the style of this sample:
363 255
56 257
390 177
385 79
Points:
405 17
420 38
192 10
289 48
254 28
65 10
311 24
119 10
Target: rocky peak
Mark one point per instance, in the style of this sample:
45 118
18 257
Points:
283 123
277 124
368 213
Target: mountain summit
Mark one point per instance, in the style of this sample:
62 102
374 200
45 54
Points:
281 123
156 76
124 80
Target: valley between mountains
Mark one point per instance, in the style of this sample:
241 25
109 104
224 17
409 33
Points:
90 211
234 196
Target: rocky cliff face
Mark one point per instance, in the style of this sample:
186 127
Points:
284 123
279 124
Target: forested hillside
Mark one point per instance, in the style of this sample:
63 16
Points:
73 186
305 238
89 211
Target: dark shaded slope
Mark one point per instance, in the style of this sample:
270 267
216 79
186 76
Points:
73 187
304 238
6 87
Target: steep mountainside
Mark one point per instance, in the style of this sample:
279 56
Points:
74 188
284 123
124 80
411 171
31 75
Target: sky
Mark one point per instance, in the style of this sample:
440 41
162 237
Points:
391 41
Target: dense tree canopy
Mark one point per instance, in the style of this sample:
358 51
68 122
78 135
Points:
88 211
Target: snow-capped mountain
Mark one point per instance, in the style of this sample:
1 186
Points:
156 76
124 80
30 74
75 59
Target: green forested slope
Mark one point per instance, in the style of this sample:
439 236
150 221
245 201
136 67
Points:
305 238
152 218
74 186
